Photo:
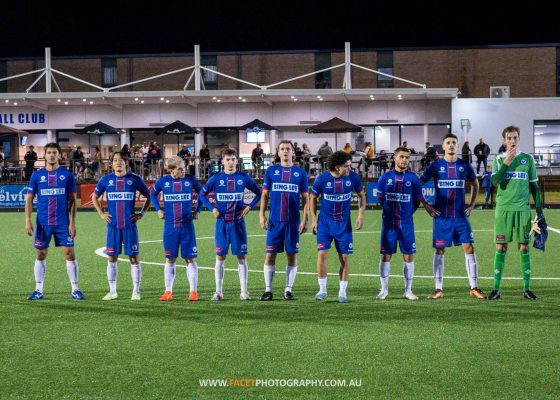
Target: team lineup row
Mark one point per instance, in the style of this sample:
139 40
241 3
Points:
286 188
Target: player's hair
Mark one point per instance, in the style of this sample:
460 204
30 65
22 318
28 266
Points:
401 148
124 157
450 135
229 152
53 145
175 162
337 158
511 128
285 141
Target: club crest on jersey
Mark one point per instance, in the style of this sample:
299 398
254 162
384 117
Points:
296 174
129 182
43 179
187 184
239 182
166 184
61 177
348 183
523 161
389 181
461 169
408 183
442 168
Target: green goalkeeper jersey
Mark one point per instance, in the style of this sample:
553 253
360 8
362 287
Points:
513 192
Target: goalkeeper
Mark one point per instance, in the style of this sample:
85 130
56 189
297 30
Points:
514 175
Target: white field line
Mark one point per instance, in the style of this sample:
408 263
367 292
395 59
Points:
101 252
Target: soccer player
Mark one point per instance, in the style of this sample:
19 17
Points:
400 193
121 187
283 184
514 175
230 210
451 222
335 187
178 230
55 188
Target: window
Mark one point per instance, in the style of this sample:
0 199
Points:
323 79
3 74
109 71
385 65
209 77
558 71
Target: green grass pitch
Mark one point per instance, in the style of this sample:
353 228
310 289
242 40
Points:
458 347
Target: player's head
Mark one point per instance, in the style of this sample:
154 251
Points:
401 155
118 162
340 162
511 136
229 160
285 151
176 167
52 153
450 144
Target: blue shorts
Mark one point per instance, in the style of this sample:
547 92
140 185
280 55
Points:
175 237
233 234
401 232
282 234
452 231
117 237
340 231
44 233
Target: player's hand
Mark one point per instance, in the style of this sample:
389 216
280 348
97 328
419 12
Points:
314 227
136 216
216 212
535 228
359 222
263 221
469 210
72 230
161 214
511 153
29 228
303 227
245 211
106 217
195 215
432 211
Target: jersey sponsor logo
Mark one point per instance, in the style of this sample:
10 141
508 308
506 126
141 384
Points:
177 197
166 184
222 183
500 238
442 168
113 196
276 172
53 191
516 175
62 177
398 197
337 197
451 184
285 187
389 181
111 182
229 196
43 179
329 184
523 161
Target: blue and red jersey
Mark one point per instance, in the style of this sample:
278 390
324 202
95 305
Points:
400 193
336 194
53 189
449 181
177 195
285 185
121 194
229 193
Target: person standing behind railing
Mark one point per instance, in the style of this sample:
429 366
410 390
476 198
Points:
305 155
30 159
481 150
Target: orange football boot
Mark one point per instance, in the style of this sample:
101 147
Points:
193 296
477 293
438 294
166 296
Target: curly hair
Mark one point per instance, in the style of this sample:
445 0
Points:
175 162
337 158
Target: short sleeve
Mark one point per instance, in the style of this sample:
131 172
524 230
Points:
381 186
317 187
71 184
358 185
100 188
209 187
156 188
142 187
33 186
267 181
417 188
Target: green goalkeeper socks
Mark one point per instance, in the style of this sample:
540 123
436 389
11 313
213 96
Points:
499 261
525 264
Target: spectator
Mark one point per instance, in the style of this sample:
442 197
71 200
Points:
348 148
405 144
204 153
298 153
125 151
185 154
502 148
324 152
94 165
256 159
466 152
306 156
488 187
382 161
481 151
78 160
30 159
369 155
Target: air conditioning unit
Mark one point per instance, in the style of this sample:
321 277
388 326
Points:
499 92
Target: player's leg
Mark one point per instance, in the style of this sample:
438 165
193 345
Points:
171 252
344 246
269 272
132 249
442 238
221 238
113 249
73 270
239 248
503 232
471 265
407 244
343 273
189 252
438 264
41 243
408 275
388 247
523 228
322 274
292 248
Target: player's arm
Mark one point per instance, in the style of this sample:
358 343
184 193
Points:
198 206
97 205
262 210
305 205
72 209
361 209
154 193
313 211
475 186
209 188
146 192
28 211
253 187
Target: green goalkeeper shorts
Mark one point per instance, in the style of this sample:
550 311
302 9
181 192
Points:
512 225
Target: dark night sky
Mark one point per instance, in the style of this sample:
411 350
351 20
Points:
237 25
